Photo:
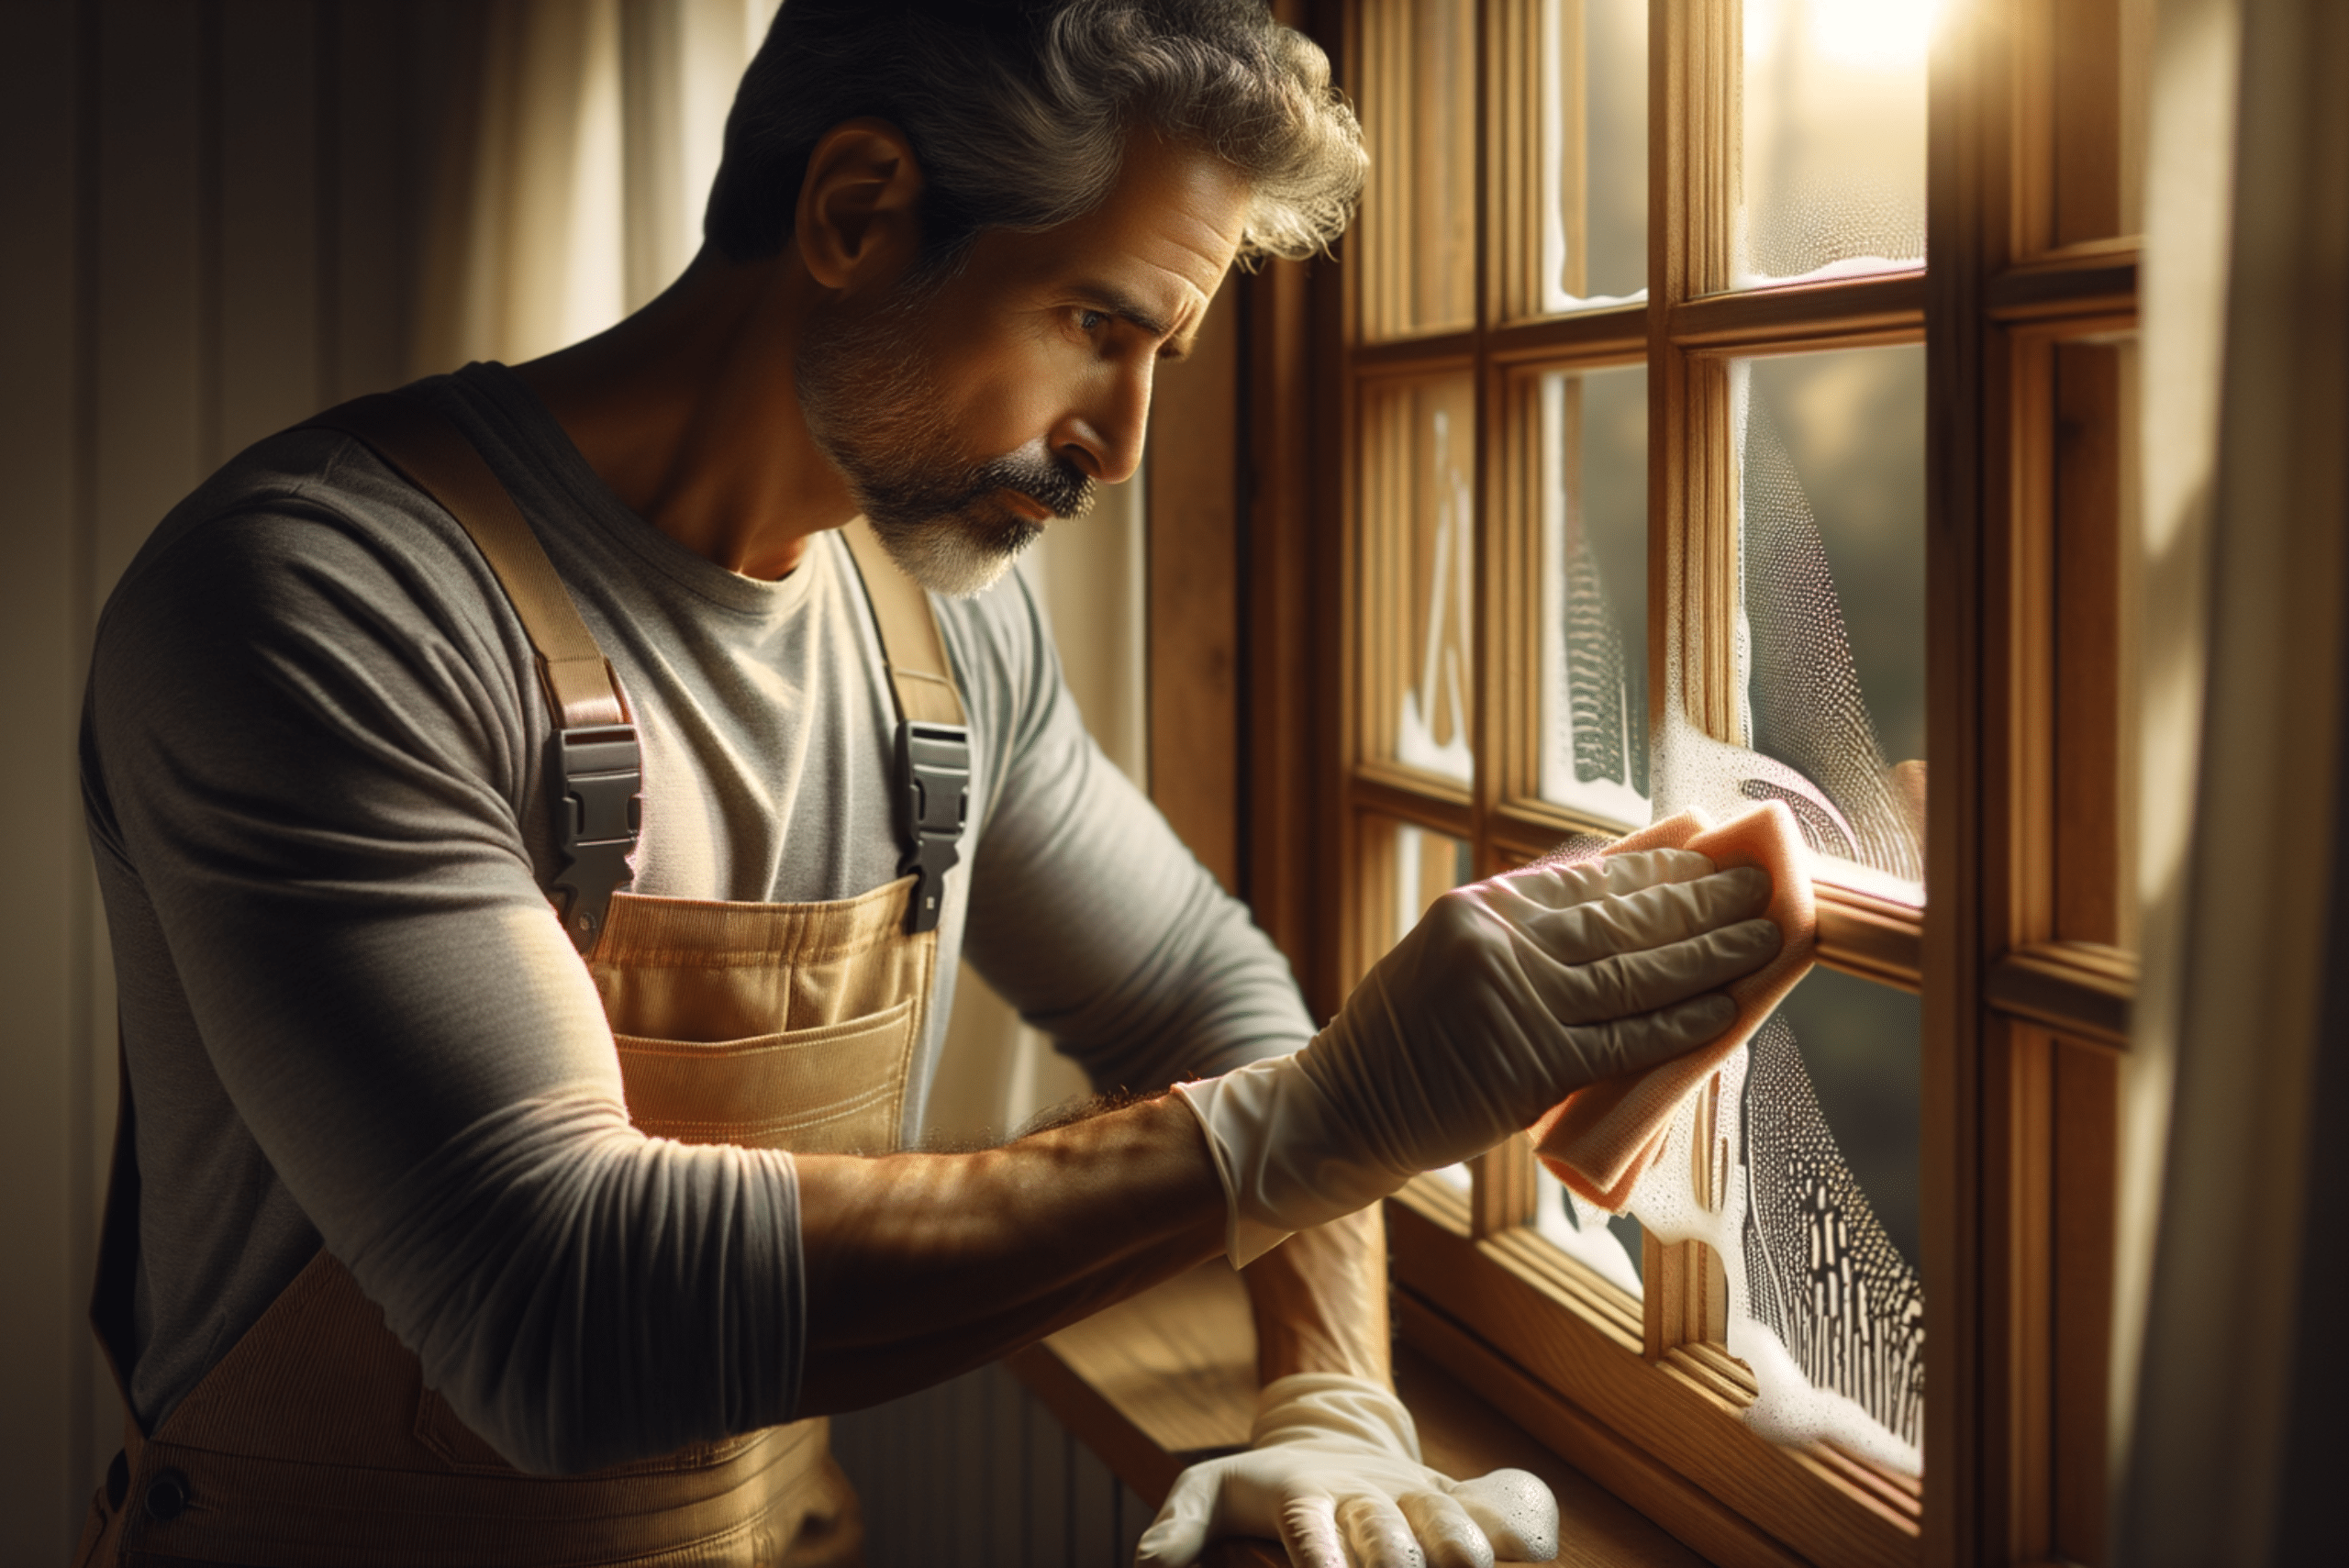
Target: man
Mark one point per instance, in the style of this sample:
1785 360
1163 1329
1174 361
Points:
451 1225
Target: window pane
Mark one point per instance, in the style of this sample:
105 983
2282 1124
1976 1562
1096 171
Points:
1417 581
1830 1125
1419 212
1607 1244
1861 1046
1405 868
1816 1126
1832 129
1595 152
1594 498
1830 646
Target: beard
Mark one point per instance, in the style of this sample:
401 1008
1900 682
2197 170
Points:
874 411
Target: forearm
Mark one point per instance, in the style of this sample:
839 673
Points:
1319 1300
920 1266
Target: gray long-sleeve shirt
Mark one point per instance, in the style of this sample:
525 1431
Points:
312 754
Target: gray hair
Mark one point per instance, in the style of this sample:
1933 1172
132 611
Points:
1020 111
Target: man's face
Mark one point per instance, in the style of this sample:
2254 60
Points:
966 416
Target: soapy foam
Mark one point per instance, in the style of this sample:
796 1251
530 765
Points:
1854 1373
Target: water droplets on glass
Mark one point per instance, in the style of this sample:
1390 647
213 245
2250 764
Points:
1829 642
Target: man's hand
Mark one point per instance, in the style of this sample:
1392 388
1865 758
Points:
1508 996
1332 1470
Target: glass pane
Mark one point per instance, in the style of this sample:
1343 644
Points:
1861 1047
1816 1126
1419 212
1607 1244
1418 580
1409 868
1594 498
1830 1130
1595 152
1832 557
1833 131
1405 868
1830 643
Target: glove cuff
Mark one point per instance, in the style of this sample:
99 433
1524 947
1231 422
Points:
1287 1160
1321 1404
1245 1239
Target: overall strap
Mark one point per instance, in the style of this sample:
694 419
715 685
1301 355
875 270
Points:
595 768
934 763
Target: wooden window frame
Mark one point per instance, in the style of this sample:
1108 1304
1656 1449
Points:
2025 1029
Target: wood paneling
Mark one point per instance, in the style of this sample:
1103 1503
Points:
980 1471
1195 566
44 1156
2095 897
1966 183
1296 710
267 247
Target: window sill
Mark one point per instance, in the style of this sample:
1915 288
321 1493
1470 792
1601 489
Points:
1156 1383
1508 1319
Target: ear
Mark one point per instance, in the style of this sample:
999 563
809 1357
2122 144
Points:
859 219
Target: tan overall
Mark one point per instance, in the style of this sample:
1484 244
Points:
314 1443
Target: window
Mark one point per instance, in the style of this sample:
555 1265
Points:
1682 465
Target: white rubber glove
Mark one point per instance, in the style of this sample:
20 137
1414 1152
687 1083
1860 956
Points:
1332 1464
1508 996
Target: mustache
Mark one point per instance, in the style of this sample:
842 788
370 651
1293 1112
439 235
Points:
1055 482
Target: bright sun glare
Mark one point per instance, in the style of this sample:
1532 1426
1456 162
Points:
1878 35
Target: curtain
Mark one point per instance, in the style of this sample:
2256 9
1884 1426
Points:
2231 1280
571 186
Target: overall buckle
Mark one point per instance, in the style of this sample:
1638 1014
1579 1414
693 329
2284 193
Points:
933 798
598 811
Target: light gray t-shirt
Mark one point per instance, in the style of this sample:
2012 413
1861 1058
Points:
312 755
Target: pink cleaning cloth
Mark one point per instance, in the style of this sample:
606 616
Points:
1600 1140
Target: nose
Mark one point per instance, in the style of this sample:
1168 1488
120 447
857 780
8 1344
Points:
1103 433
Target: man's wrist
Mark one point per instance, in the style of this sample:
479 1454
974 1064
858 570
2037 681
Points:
1321 1302
1286 1152
1319 1405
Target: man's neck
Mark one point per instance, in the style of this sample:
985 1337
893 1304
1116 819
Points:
686 409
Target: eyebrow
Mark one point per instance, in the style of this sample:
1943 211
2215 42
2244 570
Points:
1126 308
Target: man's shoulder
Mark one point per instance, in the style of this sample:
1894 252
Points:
307 514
